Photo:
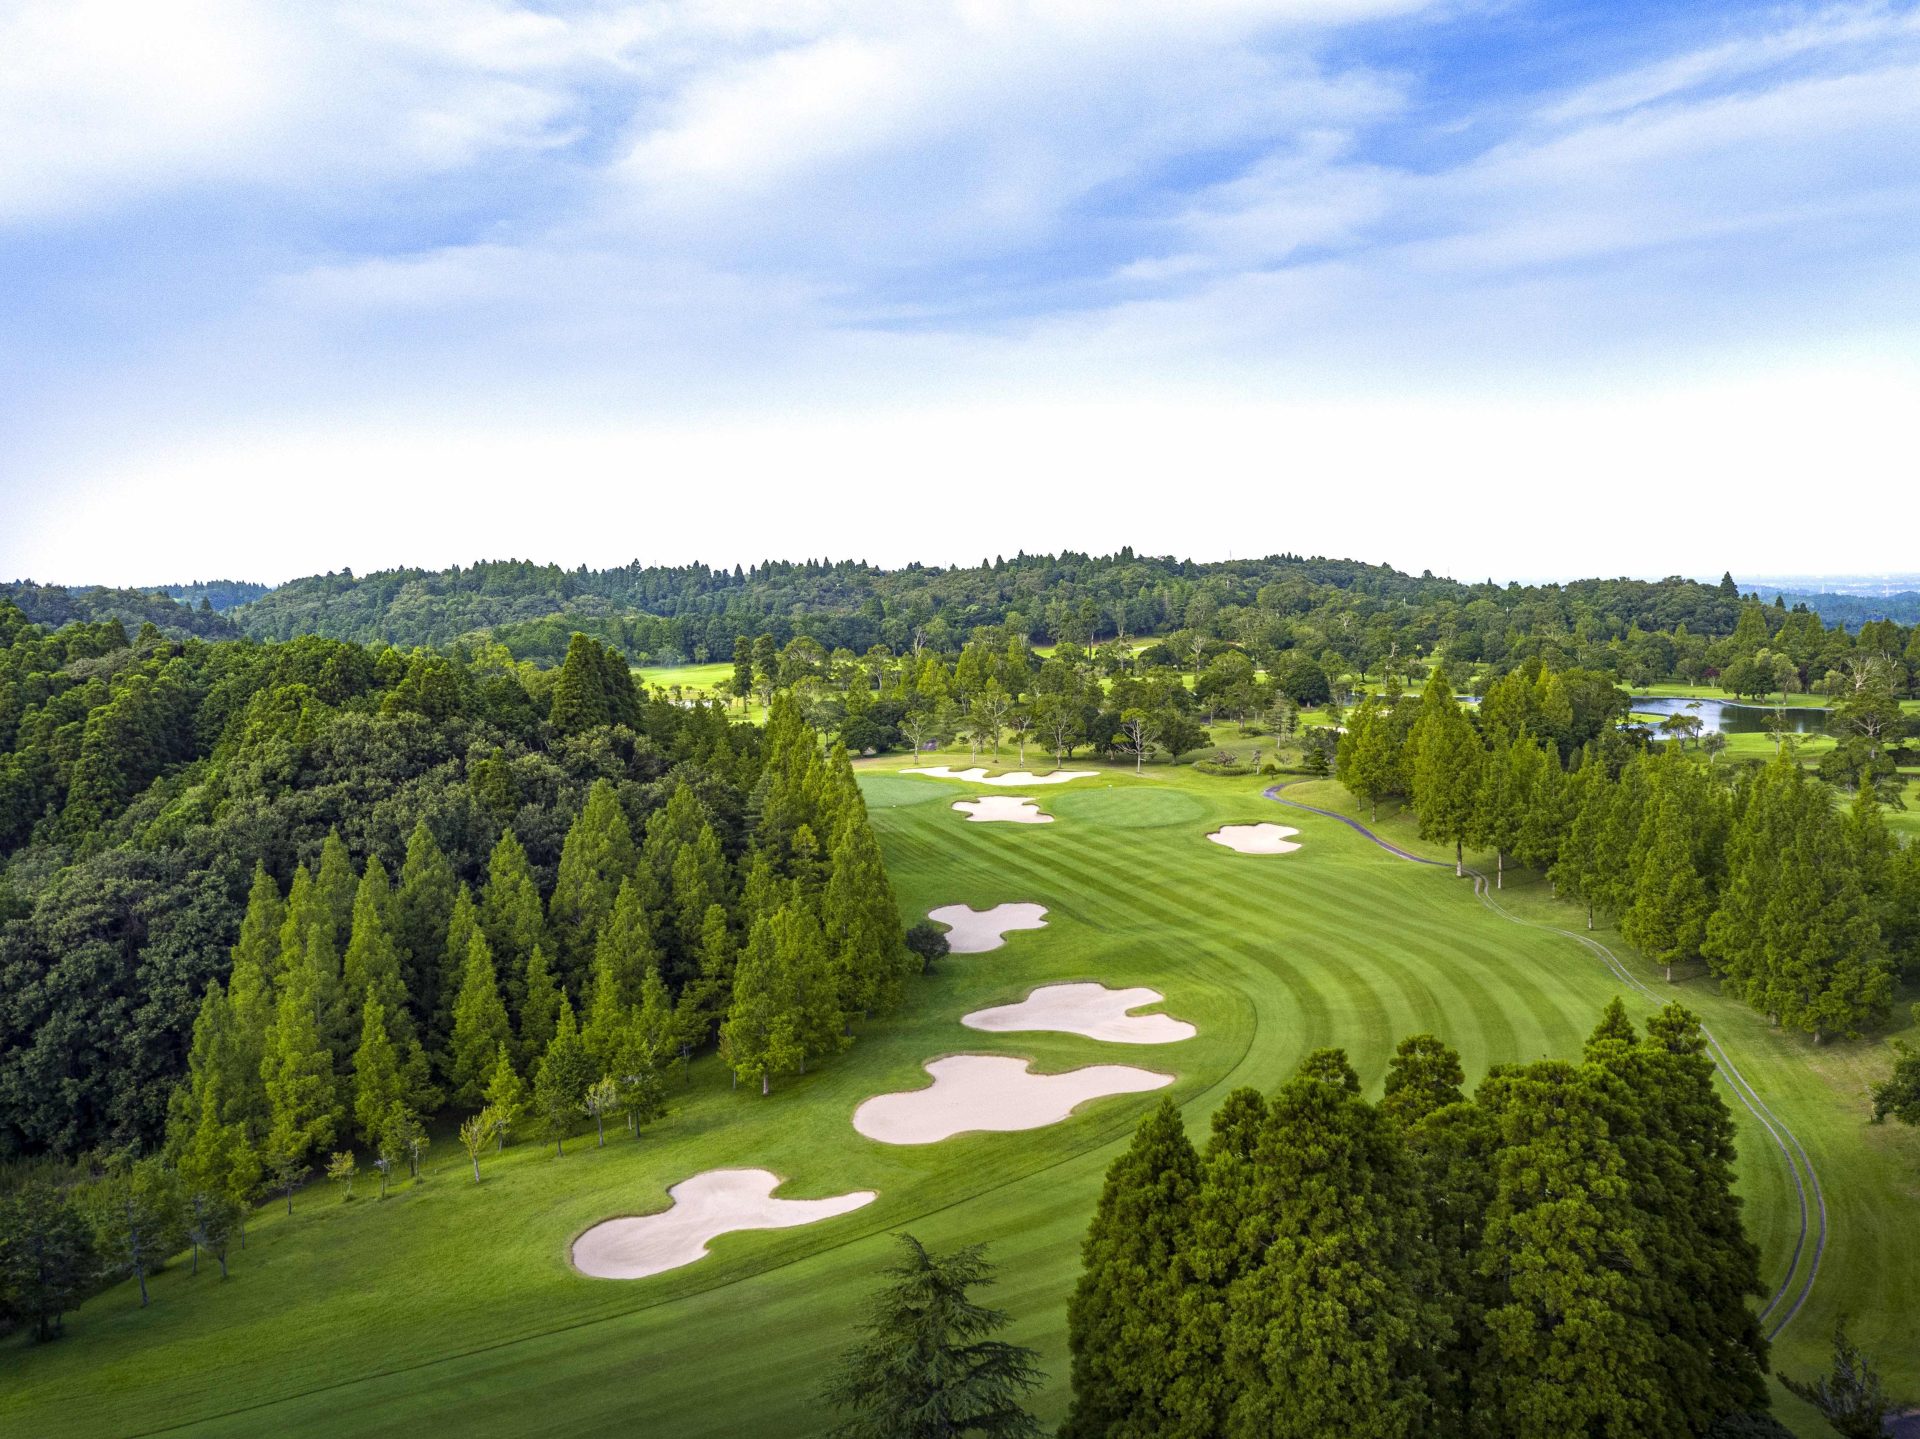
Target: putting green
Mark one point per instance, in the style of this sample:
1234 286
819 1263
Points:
453 1305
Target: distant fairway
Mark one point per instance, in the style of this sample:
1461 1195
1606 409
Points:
451 1306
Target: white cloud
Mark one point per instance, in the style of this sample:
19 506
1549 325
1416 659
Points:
1657 478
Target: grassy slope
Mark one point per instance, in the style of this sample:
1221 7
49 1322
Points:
453 1304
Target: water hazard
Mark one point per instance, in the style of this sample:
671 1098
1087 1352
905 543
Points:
1725 717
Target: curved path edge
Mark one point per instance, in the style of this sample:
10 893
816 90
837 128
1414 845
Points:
1799 1167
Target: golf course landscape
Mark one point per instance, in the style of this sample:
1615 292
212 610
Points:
454 1303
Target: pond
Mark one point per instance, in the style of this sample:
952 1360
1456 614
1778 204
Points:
1725 717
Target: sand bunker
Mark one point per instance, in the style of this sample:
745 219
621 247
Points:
1089 1009
975 931
1255 838
973 1092
710 1204
1013 776
1002 807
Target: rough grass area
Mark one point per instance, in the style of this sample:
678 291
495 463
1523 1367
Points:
451 1305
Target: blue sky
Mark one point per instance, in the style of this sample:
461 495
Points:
1504 288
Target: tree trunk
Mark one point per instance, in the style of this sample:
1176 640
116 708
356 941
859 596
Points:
289 1199
195 1270
222 1257
559 1147
141 1271
476 1167
1459 861
1589 915
1499 869
599 1129
766 1085
1669 969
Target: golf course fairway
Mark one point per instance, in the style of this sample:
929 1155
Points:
453 1304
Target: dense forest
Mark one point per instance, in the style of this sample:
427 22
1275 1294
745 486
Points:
691 613
57 605
322 819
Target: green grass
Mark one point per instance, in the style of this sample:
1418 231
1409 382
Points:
452 1304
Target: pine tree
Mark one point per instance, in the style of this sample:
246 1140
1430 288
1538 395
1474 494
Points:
928 1368
1122 1322
480 1025
377 1083
511 914
422 909
598 855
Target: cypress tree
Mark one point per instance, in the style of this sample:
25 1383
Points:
863 929
251 993
562 1078
1328 1332
1544 828
1667 918
480 1025
334 886
463 923
539 1011
758 1038
698 882
597 856
372 960
818 1023
1123 1325
1576 872
625 951
512 914
298 918
1224 1241
1566 1350
422 909
579 690
1676 1139
377 1082
1447 764
299 1079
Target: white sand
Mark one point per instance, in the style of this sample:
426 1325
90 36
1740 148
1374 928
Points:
1021 777
1089 1009
710 1204
1001 807
973 1092
1255 838
975 931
